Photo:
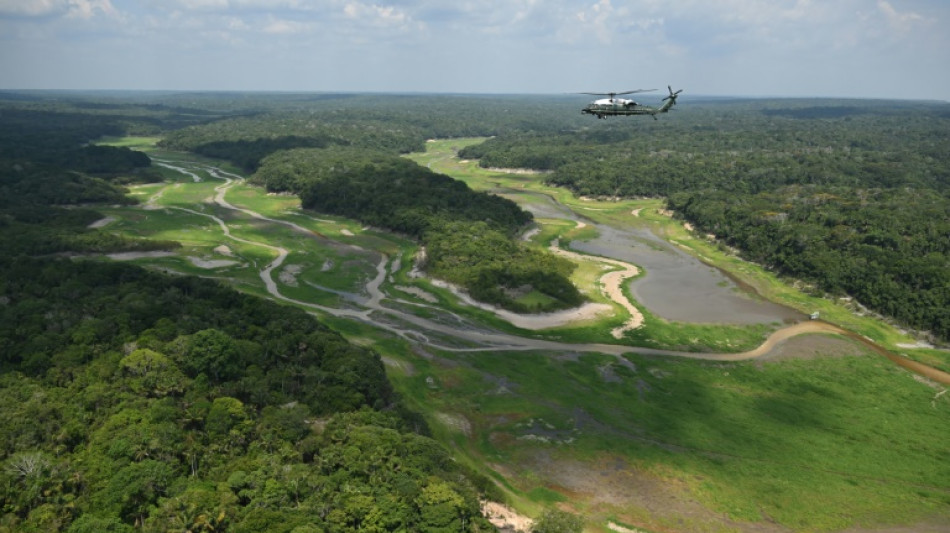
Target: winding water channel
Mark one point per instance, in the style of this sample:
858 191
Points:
712 298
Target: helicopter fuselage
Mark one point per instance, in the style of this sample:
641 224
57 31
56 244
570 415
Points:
612 106
617 106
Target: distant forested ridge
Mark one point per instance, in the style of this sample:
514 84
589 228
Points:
50 177
58 139
468 235
246 141
390 123
853 196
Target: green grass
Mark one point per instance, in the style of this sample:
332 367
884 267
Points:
545 495
136 143
813 444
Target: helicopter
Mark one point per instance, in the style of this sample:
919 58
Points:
612 105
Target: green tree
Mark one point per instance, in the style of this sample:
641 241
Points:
151 373
227 419
557 521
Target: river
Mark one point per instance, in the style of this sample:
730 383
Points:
675 286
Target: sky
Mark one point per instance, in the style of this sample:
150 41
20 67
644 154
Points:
798 48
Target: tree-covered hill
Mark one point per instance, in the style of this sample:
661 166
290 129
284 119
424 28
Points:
269 123
50 175
246 141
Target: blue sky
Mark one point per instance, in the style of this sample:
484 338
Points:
861 48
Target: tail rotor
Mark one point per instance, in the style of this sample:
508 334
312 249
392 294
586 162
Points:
672 96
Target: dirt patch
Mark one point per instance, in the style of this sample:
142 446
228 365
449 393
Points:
288 275
101 223
455 422
528 235
505 518
620 529
611 284
422 294
211 263
223 250
523 171
812 346
610 487
537 321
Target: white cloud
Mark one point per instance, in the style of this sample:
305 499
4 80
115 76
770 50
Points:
596 20
743 46
902 22
86 9
245 5
285 27
202 4
31 8
377 15
82 9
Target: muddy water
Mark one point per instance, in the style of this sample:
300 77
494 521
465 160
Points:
676 286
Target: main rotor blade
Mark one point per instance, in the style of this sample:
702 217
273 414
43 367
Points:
624 92
637 91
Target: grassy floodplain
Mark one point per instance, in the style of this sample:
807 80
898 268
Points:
822 435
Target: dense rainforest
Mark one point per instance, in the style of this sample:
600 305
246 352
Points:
135 401
853 197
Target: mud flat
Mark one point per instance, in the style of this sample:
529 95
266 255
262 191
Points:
536 321
130 256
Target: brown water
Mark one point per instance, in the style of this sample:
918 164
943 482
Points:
677 286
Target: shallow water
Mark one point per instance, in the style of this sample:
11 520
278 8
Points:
676 286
